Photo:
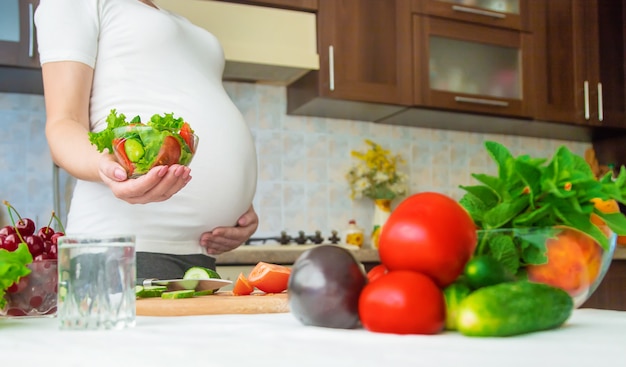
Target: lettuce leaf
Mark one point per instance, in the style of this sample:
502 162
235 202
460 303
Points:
12 268
104 139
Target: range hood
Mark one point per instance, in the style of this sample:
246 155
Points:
260 44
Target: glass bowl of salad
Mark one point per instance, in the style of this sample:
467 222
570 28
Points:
35 294
137 146
560 256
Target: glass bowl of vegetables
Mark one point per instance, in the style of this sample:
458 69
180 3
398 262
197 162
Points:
137 146
35 294
560 256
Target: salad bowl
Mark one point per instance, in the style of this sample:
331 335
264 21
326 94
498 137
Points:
138 148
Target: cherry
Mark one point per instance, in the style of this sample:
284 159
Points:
41 257
55 237
35 245
18 286
25 226
11 242
45 233
7 230
53 252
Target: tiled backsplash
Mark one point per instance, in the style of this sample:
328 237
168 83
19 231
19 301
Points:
302 160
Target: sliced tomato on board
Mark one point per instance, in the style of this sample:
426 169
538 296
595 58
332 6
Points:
242 286
270 278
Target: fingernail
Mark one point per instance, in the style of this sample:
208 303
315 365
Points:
120 174
163 171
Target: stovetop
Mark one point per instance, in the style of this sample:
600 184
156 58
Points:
299 238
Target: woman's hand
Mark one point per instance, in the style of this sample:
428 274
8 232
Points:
159 184
223 239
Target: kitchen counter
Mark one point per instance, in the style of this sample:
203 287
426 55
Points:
287 254
620 253
283 254
589 338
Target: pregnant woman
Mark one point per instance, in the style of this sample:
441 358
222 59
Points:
132 56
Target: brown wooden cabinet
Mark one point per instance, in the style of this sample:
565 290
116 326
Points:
611 293
471 67
18 44
580 61
19 61
365 61
512 14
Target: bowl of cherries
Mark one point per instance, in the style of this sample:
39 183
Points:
36 293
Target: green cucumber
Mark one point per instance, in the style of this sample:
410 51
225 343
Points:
134 149
198 272
484 270
453 295
513 308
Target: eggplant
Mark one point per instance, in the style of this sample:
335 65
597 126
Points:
324 287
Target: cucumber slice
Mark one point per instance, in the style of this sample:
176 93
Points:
187 293
204 293
198 272
152 291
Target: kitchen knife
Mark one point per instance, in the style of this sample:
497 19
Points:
183 284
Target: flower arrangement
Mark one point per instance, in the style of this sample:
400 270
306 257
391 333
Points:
376 175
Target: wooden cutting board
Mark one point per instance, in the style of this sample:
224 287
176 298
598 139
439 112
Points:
218 304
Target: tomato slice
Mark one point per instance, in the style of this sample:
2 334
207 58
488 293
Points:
242 286
270 278
187 134
169 153
120 153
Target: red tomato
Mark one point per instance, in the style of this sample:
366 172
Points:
429 233
242 286
169 153
187 134
376 272
270 278
120 153
402 302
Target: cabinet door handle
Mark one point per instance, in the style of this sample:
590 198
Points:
491 14
586 93
489 102
331 67
31 31
600 107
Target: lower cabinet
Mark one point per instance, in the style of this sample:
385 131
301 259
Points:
611 294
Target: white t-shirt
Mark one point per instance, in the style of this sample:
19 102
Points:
150 61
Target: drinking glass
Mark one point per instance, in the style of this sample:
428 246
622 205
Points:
96 282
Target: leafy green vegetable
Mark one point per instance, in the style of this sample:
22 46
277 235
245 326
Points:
534 192
12 268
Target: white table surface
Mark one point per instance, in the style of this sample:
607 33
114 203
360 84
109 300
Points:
590 338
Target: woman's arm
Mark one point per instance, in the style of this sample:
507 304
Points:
67 91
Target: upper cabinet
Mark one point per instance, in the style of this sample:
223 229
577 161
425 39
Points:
261 43
580 61
20 71
365 61
471 67
512 14
18 44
